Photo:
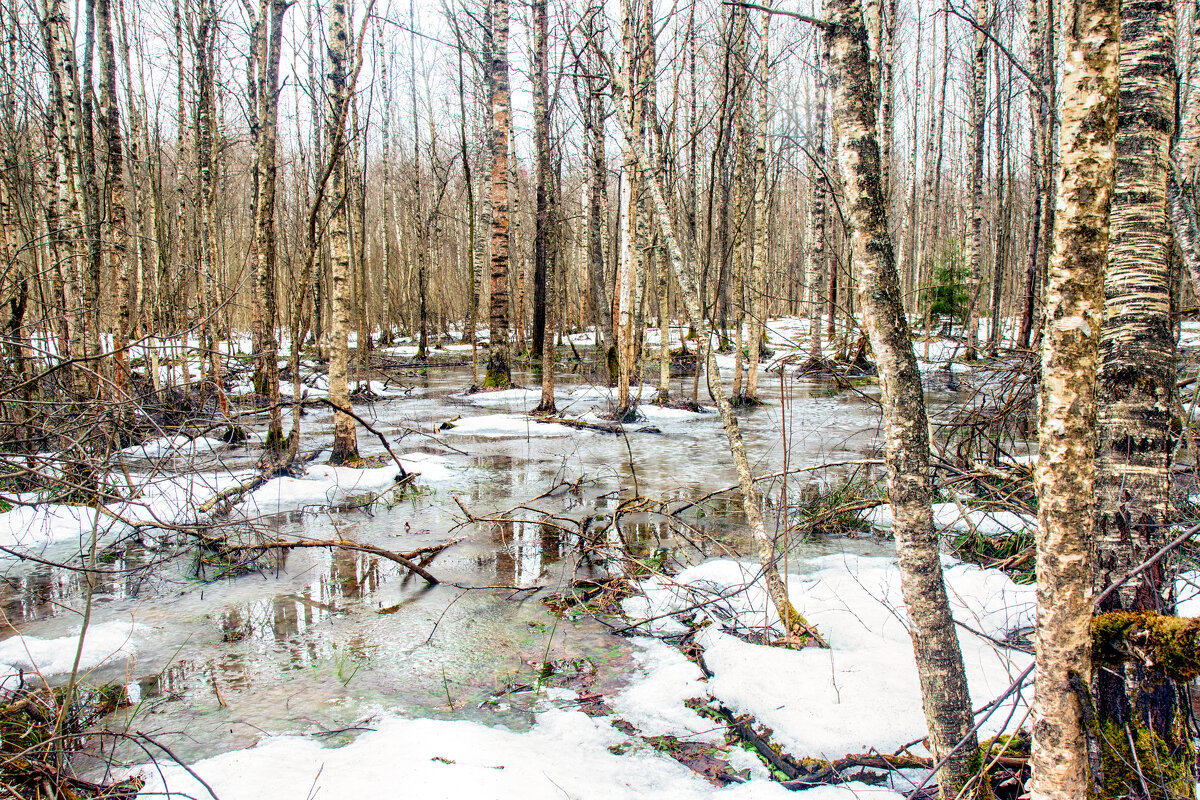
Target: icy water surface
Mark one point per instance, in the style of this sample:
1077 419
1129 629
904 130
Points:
318 642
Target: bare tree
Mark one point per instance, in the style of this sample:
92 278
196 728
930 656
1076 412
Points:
498 375
935 643
1066 464
345 440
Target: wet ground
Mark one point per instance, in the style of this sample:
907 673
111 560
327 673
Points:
319 642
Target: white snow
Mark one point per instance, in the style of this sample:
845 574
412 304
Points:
506 426
174 500
103 643
173 445
947 516
862 693
326 485
565 754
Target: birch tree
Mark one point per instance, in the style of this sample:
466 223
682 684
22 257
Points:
269 44
935 643
1136 391
345 438
1066 463
543 323
977 127
498 375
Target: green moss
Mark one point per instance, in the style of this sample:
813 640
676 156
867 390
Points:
614 365
1170 645
496 380
1164 771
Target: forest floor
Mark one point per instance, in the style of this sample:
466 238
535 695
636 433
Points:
598 628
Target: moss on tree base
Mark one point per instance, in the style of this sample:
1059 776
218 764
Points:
1170 645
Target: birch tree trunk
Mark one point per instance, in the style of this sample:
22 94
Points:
206 134
385 89
935 642
115 231
64 216
819 183
1066 463
543 322
931 237
977 127
1136 387
345 438
1039 109
793 623
758 269
597 192
498 375
421 242
269 44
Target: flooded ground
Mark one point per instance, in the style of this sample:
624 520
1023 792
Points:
320 642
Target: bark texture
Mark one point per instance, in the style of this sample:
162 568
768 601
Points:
935 642
498 374
1136 388
345 438
1066 466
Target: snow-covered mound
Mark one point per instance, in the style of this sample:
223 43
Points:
862 693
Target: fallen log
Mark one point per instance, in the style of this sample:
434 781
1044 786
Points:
601 427
406 560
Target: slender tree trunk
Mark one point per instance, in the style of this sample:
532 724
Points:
385 166
758 269
345 439
977 128
1003 216
269 44
206 134
932 238
115 231
64 220
819 182
935 642
543 322
793 623
498 375
421 244
597 193
1039 110
1066 464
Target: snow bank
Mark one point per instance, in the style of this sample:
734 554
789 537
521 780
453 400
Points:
862 693
46 524
502 426
104 642
174 500
566 754
173 446
325 485
947 516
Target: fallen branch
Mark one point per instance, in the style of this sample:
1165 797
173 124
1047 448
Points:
405 560
233 495
602 427
383 439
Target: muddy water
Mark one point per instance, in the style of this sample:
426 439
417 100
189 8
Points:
319 642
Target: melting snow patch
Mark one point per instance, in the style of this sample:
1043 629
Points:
862 693
174 446
502 426
566 754
105 642
947 516
320 485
